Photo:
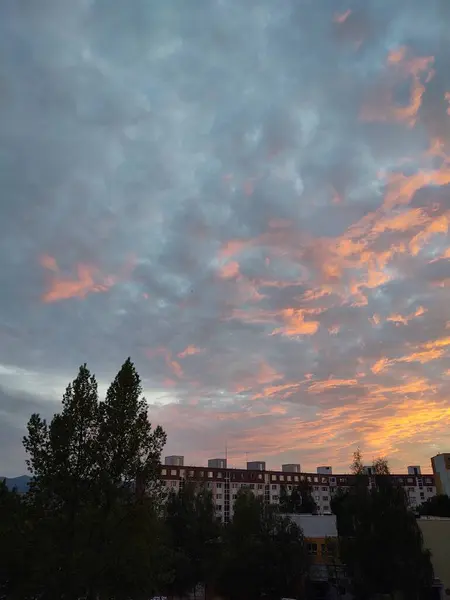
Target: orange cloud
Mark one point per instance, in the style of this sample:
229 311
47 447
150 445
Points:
437 225
328 384
172 364
229 270
189 351
399 319
296 324
88 280
402 188
264 375
401 222
383 108
411 420
380 365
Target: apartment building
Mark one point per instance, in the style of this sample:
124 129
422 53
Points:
225 482
441 470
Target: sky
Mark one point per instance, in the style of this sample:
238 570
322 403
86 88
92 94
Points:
249 198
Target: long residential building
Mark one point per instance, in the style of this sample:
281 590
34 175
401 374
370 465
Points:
225 482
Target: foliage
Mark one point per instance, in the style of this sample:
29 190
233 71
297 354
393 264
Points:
90 467
299 501
193 534
264 554
437 506
380 541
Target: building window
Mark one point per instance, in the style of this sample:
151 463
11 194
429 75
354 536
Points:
274 487
430 489
260 476
275 498
316 489
219 475
316 480
163 472
252 486
312 548
274 477
295 477
234 496
289 478
324 489
173 483
326 509
281 477
218 507
218 496
201 474
234 485
173 472
218 485
260 486
208 485
289 487
325 498
191 473
210 474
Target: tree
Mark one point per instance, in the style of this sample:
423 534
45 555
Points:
95 478
13 556
299 501
308 504
356 468
63 462
130 450
264 554
193 535
380 541
437 506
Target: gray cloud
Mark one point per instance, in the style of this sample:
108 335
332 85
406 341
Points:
231 194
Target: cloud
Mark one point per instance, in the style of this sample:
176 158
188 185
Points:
250 201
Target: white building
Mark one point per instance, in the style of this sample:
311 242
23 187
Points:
225 483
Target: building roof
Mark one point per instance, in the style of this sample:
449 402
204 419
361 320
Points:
316 526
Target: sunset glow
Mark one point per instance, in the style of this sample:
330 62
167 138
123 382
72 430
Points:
251 201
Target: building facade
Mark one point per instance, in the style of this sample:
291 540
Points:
441 470
225 483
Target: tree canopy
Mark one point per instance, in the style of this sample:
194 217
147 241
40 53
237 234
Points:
380 541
